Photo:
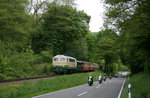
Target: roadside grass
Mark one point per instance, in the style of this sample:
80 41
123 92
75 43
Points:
140 86
42 86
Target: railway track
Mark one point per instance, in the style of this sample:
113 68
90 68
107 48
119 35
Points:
26 78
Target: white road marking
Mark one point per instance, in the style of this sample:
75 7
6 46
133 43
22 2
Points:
82 93
58 91
97 86
121 88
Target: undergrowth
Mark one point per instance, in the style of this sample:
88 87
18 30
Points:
140 86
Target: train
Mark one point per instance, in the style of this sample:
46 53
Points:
66 64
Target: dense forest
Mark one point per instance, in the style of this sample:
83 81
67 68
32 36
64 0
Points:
33 31
131 18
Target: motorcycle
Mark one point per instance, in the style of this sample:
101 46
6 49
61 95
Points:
116 75
100 79
104 78
90 82
110 77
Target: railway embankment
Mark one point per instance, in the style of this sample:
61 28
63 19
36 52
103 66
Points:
28 89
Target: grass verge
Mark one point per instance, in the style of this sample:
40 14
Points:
29 89
140 86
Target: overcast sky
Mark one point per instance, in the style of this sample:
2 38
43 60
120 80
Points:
95 9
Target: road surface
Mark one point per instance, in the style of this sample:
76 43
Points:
108 89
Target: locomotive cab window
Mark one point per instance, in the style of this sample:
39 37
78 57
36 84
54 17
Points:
56 59
62 59
71 60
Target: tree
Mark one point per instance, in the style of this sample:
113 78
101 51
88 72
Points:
66 2
106 49
131 19
91 44
61 25
14 23
78 49
15 29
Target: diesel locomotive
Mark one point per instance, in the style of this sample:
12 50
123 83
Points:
66 64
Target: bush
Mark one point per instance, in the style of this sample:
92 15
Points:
42 69
46 56
19 65
15 64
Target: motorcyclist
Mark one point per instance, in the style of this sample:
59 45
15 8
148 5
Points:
90 77
100 78
104 77
110 76
116 75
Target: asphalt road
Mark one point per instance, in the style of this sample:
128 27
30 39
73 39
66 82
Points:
108 89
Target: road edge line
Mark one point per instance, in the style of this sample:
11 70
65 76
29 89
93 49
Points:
121 88
59 90
83 93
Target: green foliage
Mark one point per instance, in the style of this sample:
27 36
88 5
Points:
46 56
78 49
61 26
24 64
131 19
28 43
38 87
65 2
14 23
107 50
140 87
91 44
42 69
62 30
17 65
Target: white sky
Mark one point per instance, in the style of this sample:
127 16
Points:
93 8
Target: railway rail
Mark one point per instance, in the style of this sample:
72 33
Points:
26 78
